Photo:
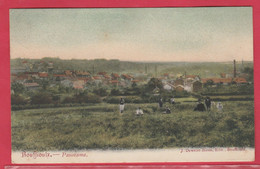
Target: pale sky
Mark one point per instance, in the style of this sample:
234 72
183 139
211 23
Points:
133 34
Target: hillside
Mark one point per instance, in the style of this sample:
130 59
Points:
204 69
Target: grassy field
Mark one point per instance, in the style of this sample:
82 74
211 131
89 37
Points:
102 127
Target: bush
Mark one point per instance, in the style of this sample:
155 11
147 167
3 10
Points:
115 92
69 100
100 92
92 98
41 98
18 100
129 99
83 98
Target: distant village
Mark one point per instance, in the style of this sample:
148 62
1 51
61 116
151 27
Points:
31 75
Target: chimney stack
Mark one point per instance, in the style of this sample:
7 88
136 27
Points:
235 72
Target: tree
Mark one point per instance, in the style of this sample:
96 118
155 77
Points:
17 88
134 85
153 83
209 83
45 84
250 72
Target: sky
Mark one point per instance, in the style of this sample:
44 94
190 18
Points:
210 34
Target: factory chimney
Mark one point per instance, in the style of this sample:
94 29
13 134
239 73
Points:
235 72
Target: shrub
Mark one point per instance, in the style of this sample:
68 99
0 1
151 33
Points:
69 100
18 100
129 99
83 98
41 98
92 98
100 92
115 92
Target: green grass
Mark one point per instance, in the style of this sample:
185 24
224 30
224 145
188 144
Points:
102 127
186 99
234 97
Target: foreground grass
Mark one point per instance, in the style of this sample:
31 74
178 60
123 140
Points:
102 127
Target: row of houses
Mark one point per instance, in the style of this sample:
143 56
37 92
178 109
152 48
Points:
193 83
74 79
83 79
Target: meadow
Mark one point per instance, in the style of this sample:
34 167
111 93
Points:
101 126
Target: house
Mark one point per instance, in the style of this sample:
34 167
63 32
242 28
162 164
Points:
179 82
50 64
223 75
59 77
31 86
78 84
107 77
82 74
196 86
114 82
179 88
168 87
127 77
22 78
34 75
224 81
85 79
187 88
43 75
240 80
68 73
66 83
135 81
115 76
102 73
97 79
195 77
166 75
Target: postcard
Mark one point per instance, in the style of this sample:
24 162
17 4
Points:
115 85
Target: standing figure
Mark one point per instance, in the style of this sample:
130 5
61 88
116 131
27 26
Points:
200 107
220 107
121 105
172 101
161 103
208 103
139 111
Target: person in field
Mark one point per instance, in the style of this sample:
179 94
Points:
160 103
220 107
121 105
172 101
139 111
208 103
200 107
213 104
168 110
